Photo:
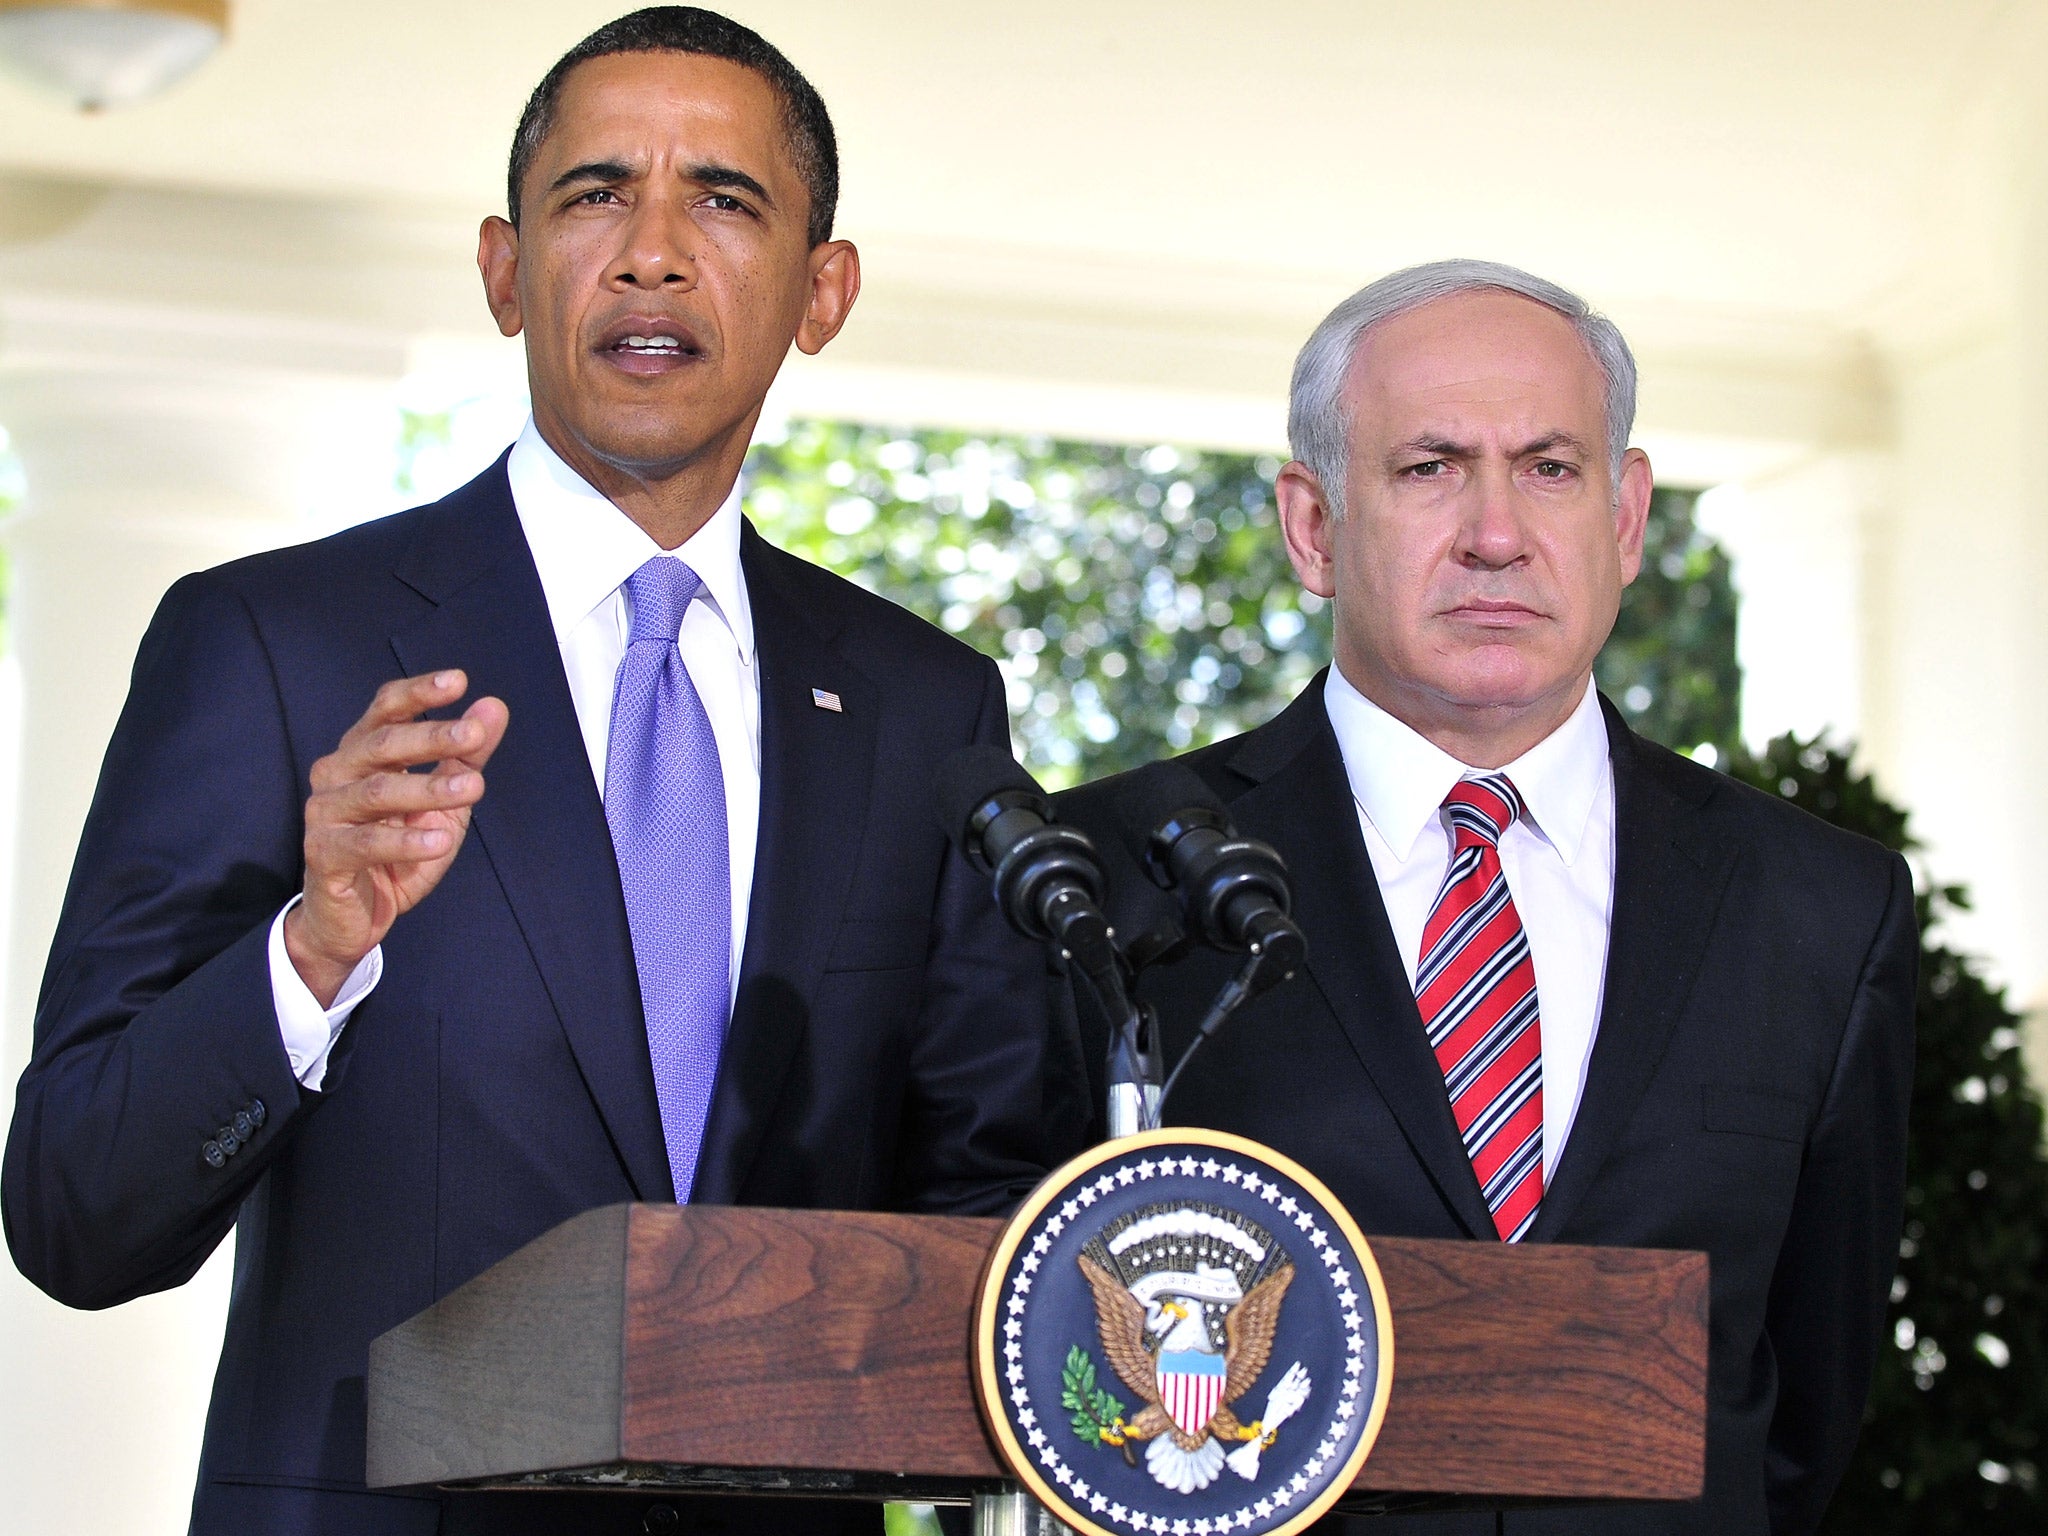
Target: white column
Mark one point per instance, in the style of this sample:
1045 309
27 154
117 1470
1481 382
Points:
1966 663
1796 540
152 447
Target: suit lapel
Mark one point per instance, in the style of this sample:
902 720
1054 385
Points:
541 822
1670 875
1301 802
816 767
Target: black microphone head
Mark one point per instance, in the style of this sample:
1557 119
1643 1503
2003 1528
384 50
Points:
1154 807
967 781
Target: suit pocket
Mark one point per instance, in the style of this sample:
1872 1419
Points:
879 944
1755 1112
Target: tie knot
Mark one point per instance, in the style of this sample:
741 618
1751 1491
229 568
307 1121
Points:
1483 808
660 591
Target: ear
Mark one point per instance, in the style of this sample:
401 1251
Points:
1632 511
497 258
1309 527
835 284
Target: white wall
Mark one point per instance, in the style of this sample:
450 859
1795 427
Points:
173 452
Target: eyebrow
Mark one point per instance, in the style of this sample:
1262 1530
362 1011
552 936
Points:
1551 440
1435 447
727 176
592 170
1443 447
603 171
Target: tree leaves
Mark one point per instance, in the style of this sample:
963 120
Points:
1140 601
1670 663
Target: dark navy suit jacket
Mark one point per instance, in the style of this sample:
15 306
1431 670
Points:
888 1046
1746 1094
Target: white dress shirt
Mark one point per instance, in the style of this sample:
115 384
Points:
584 549
1558 860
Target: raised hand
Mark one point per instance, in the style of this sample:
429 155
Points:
378 837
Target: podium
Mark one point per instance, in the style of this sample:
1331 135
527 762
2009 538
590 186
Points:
826 1353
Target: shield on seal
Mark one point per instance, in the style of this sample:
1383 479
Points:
1190 1387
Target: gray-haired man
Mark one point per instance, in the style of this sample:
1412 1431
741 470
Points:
1563 986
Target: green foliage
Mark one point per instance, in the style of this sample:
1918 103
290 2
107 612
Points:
1139 600
1094 1410
1670 663
1952 1441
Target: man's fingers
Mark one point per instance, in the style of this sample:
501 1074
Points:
372 743
404 697
378 835
491 716
341 852
400 745
385 795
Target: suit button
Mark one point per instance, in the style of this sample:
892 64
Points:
662 1518
230 1143
257 1114
244 1126
213 1154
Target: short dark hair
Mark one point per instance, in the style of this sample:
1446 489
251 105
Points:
686 29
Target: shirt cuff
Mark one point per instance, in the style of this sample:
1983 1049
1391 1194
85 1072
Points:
309 1031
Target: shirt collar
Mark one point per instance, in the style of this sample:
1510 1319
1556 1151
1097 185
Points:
584 547
1400 778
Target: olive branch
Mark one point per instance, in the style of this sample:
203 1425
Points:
1097 1415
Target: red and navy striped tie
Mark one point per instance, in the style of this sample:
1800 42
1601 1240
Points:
1476 988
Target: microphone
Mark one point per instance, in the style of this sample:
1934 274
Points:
1048 877
1049 884
1233 890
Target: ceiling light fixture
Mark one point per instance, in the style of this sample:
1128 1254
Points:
108 53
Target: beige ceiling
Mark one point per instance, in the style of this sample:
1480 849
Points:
1769 177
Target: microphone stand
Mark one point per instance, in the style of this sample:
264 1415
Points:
1137 1074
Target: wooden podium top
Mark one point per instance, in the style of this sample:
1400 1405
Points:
819 1352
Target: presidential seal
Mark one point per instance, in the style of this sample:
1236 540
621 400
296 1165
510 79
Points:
1182 1333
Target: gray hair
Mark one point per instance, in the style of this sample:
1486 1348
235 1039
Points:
1318 416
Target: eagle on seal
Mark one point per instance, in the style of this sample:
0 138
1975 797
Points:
1159 1342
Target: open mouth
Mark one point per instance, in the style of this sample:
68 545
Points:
642 347
648 345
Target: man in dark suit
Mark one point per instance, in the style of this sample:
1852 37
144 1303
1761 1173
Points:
699 937
1563 985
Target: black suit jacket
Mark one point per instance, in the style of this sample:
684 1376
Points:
887 1046
1746 1093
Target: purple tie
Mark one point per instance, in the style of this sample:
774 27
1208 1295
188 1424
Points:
664 796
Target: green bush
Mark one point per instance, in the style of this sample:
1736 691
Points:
1952 1439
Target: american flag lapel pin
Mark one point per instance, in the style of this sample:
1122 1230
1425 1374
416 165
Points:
825 700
